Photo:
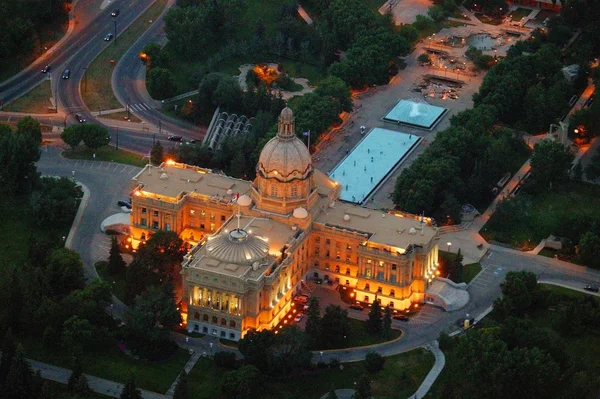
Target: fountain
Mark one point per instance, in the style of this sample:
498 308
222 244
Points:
415 112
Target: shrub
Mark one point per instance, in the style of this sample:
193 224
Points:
374 362
225 359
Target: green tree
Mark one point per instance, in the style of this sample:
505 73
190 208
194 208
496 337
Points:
588 249
243 383
592 169
332 395
336 89
550 163
129 390
363 388
313 324
436 12
18 155
30 127
64 272
19 382
77 334
374 362
9 348
335 327
154 56
181 389
386 325
424 59
116 264
161 83
374 320
157 155
72 136
520 293
55 201
578 172
78 383
255 347
95 136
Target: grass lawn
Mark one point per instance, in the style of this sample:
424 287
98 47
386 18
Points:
564 291
573 198
98 94
519 14
488 20
375 5
60 391
117 283
359 336
115 365
36 101
227 342
400 377
121 116
106 153
548 252
470 271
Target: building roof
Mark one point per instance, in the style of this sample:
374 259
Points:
178 179
230 257
383 228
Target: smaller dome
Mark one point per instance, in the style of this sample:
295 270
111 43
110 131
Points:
244 200
164 176
412 231
300 213
229 192
237 247
287 115
346 218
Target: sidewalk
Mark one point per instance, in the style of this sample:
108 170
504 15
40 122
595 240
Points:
438 366
96 384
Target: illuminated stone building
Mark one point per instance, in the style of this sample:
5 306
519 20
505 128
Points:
257 243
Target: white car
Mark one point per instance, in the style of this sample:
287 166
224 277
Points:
298 317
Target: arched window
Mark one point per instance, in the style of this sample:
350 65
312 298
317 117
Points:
232 324
205 317
367 287
391 304
143 237
366 298
392 293
337 268
215 320
294 190
348 271
368 273
274 191
223 322
196 316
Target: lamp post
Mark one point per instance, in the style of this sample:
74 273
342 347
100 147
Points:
111 310
84 79
211 345
115 22
449 245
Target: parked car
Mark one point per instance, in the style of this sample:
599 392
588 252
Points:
47 69
124 203
299 317
79 118
66 74
115 13
400 317
301 299
319 281
591 288
108 37
357 307
179 139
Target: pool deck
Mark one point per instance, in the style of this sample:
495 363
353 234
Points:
371 162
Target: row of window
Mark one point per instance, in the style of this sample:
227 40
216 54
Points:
155 224
367 300
214 320
214 332
338 244
379 290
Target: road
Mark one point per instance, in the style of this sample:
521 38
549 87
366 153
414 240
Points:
129 85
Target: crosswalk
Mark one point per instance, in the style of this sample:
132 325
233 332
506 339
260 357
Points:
140 107
427 315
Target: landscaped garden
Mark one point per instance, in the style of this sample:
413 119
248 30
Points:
36 101
400 377
107 154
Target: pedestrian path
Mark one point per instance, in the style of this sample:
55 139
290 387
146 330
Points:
96 384
188 367
438 366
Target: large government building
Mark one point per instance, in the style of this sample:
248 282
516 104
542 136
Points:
255 244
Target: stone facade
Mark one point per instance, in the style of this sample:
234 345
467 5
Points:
255 244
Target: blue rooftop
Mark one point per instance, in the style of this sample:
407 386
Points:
415 113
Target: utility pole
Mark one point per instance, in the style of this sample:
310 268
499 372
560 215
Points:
117 139
128 107
84 79
159 126
115 22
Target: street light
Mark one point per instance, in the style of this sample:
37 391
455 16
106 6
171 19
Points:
449 245
211 345
111 310
115 22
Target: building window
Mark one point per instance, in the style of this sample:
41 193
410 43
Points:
348 247
222 218
316 264
155 214
144 222
392 278
205 317
232 324
367 287
222 334
338 256
394 267
201 226
316 251
391 304
294 190
392 293
337 268
274 191
143 237
366 298
215 320
155 225
317 239
196 316
231 336
368 273
212 216
347 282
168 226
144 211
202 213
348 271
369 261
192 212
348 259
212 227
326 266
205 330
380 263
327 241
223 322
379 290
379 275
